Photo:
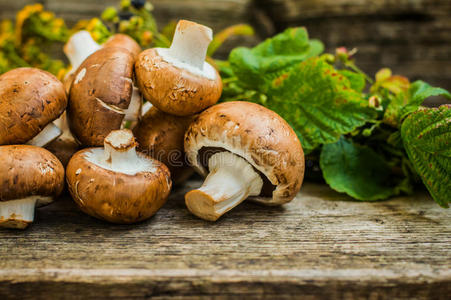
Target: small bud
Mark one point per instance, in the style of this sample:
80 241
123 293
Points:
375 102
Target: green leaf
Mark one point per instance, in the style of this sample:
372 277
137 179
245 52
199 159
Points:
409 101
357 80
359 172
426 135
258 66
222 36
318 102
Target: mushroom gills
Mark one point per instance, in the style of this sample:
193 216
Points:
47 135
119 154
189 49
206 152
19 213
231 180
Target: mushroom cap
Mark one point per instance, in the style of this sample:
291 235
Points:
100 94
29 171
258 135
117 197
160 136
29 100
63 148
123 41
174 90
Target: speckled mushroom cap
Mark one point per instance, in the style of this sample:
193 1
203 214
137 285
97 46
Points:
29 100
123 41
29 171
175 90
100 94
258 135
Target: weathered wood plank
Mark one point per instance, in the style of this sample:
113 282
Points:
316 246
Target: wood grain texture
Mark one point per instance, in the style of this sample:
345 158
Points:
318 246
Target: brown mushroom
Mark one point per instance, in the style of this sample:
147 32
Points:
30 99
101 95
81 45
123 41
117 184
244 150
63 148
133 113
30 177
178 80
160 135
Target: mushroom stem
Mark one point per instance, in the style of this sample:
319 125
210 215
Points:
17 213
230 181
190 43
120 150
133 112
47 135
78 48
146 107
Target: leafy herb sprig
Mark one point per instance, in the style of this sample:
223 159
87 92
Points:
371 137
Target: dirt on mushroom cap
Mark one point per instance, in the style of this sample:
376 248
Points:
29 100
29 170
258 135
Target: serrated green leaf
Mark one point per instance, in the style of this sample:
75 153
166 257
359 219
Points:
359 172
260 65
318 102
426 135
410 100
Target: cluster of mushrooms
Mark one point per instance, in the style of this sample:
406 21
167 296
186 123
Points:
127 124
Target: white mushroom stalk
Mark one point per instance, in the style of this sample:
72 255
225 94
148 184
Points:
19 213
78 48
133 112
231 180
119 154
189 48
46 136
146 107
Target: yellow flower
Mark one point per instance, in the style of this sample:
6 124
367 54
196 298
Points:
58 22
22 16
46 16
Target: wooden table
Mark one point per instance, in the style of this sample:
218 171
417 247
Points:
317 246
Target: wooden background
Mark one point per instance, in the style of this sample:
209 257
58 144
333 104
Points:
413 37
